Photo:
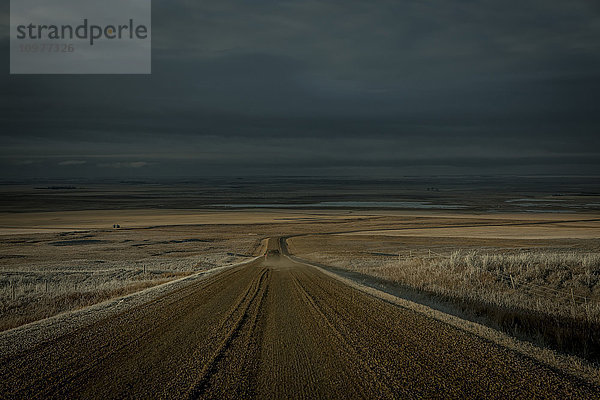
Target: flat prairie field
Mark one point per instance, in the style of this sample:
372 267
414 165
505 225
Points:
253 279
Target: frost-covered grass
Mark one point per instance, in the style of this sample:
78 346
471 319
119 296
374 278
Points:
563 284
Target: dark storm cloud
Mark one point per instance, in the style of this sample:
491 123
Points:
423 86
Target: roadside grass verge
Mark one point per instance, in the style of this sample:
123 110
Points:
550 297
33 301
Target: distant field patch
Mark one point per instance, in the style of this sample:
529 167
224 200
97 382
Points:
575 230
76 242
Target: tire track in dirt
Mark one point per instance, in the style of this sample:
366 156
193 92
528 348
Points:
250 307
351 351
104 353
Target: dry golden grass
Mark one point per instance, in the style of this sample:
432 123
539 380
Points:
32 301
564 284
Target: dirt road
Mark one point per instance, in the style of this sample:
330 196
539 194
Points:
275 329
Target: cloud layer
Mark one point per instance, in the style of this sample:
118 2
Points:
313 87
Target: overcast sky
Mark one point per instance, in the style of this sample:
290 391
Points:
301 87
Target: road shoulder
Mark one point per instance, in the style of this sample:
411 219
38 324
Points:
33 334
571 365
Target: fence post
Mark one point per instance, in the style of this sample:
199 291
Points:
512 281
